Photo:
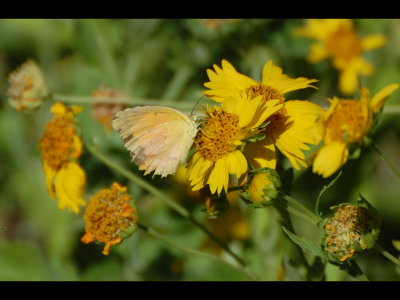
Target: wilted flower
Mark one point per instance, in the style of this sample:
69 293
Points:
102 109
351 230
27 88
109 217
60 148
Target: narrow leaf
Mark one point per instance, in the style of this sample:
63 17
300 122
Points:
306 245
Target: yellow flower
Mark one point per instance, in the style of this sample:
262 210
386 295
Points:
217 154
338 40
109 218
289 129
60 147
27 88
345 124
103 109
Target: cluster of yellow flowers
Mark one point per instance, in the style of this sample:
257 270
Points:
225 145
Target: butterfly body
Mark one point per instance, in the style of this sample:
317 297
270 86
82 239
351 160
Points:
158 137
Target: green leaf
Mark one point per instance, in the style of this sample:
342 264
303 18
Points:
255 138
306 245
396 244
20 261
324 189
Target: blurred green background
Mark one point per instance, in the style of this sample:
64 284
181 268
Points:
166 59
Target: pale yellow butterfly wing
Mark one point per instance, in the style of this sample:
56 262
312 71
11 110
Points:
158 137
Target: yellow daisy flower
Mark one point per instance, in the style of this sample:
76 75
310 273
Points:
224 129
345 124
338 40
60 147
289 129
109 217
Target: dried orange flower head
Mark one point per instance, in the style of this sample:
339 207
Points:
27 88
349 231
104 107
109 218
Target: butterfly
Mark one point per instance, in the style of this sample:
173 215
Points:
158 137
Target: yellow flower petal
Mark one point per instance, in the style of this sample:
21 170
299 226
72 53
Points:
261 154
272 76
49 174
330 158
373 41
224 82
379 99
317 53
294 160
58 109
69 183
237 163
348 81
219 177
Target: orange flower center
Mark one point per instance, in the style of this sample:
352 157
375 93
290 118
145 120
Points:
348 122
266 92
344 44
107 215
219 135
57 144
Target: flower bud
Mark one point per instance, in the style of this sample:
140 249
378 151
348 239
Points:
262 188
27 88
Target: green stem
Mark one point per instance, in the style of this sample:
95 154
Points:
156 234
153 190
235 188
387 160
187 106
386 254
